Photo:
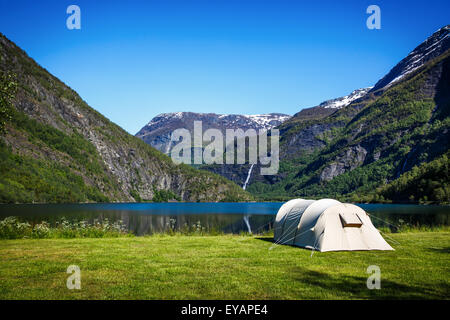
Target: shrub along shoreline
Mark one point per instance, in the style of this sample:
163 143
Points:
13 228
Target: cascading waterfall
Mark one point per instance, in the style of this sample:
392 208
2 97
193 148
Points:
248 177
168 147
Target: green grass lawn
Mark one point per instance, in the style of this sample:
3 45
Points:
221 267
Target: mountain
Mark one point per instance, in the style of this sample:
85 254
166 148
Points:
368 144
304 132
311 128
302 141
158 131
56 148
392 139
431 48
344 101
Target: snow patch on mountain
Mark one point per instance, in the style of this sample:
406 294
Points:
267 121
431 48
261 121
158 131
341 102
418 59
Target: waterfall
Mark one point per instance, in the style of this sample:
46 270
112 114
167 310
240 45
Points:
248 177
168 147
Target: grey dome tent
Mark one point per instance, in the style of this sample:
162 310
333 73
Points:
326 225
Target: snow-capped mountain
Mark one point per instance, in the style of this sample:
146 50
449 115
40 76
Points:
158 131
345 100
431 48
258 121
328 107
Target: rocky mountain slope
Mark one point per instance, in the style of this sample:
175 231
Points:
58 149
431 48
158 131
306 130
400 124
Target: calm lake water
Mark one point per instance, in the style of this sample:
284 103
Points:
147 218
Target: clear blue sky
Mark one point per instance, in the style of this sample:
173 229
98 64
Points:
132 60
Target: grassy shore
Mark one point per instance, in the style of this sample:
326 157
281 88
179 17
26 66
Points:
221 267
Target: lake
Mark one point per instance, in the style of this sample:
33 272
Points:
256 217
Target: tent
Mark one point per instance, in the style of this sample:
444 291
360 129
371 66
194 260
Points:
326 225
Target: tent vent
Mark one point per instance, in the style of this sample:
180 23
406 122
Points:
350 220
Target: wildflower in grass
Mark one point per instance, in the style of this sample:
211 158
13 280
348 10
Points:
12 228
41 230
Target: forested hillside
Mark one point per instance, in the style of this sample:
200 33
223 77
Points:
56 148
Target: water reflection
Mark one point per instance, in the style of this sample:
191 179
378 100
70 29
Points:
148 218
406 214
